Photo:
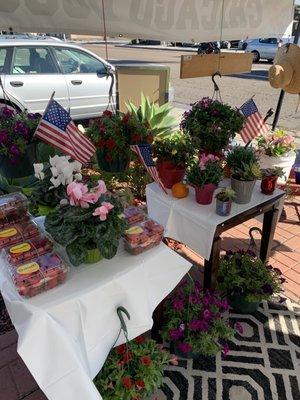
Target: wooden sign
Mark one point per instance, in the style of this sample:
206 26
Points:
195 66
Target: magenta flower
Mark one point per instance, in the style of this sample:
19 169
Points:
7 112
207 314
175 334
178 305
3 136
193 299
184 347
203 326
14 150
225 349
239 327
205 301
195 324
224 305
103 210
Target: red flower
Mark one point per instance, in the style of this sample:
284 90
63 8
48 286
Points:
126 118
136 137
146 360
101 143
127 357
140 339
127 382
140 384
107 113
101 127
121 349
110 144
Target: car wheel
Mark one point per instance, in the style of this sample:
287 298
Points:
256 56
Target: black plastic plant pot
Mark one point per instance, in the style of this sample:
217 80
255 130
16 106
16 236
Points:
119 164
241 305
23 168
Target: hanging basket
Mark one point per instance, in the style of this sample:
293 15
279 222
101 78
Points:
23 169
120 164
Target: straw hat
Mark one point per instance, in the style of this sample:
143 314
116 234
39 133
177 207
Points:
285 73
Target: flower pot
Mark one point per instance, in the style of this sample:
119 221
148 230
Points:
297 177
23 168
169 174
285 163
119 164
93 256
223 208
204 195
175 350
241 305
268 184
243 190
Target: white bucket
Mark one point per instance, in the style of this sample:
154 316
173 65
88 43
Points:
285 163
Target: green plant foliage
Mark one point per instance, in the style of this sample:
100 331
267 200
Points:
80 231
211 124
242 273
276 171
212 173
226 194
276 144
177 148
248 172
243 162
194 320
157 118
132 372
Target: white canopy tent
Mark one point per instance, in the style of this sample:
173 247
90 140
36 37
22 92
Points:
169 20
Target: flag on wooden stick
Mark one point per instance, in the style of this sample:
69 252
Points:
57 129
144 153
254 124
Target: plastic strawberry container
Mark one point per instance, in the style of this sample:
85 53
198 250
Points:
17 233
143 236
134 215
28 249
11 203
39 275
16 216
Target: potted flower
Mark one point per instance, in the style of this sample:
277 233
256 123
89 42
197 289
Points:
269 179
17 147
204 175
246 280
133 371
172 152
53 178
89 222
224 201
112 134
211 125
194 321
245 170
277 150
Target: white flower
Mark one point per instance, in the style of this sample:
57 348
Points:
54 171
53 160
77 166
55 181
78 176
38 171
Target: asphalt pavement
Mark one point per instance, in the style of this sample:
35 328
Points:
235 89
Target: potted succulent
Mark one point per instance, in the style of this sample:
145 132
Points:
112 134
194 321
17 146
277 150
52 181
245 170
269 179
204 175
246 280
133 371
211 125
89 223
224 201
172 152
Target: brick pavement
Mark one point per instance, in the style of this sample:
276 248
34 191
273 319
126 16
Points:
16 383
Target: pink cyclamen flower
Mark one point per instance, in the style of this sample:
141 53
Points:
103 210
101 188
205 158
76 192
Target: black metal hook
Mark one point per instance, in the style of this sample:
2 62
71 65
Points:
216 87
121 310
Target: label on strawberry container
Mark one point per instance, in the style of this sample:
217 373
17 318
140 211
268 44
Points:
8 233
28 268
20 248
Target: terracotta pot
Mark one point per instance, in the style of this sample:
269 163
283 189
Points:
243 190
204 195
170 174
268 184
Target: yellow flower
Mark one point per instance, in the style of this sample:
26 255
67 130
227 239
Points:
174 151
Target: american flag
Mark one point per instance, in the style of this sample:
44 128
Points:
145 155
255 124
57 129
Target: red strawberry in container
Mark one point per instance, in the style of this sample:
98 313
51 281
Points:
136 234
28 250
17 233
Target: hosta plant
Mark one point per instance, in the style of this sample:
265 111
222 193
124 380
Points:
194 320
133 371
86 220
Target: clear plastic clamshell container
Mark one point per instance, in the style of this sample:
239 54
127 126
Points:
12 204
143 236
17 233
134 214
38 275
28 249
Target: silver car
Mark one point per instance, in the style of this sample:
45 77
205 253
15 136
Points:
31 70
261 48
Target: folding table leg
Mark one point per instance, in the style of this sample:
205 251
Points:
211 266
268 230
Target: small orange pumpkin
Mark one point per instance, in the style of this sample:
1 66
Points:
180 190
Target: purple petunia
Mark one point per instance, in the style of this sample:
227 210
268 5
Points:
267 288
14 150
21 128
33 115
193 299
225 349
195 324
175 334
7 112
178 305
206 301
3 136
184 347
207 314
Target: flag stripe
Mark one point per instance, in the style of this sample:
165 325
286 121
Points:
254 124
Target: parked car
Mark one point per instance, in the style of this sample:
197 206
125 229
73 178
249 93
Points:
31 70
261 48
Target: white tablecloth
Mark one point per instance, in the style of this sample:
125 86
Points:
191 223
65 334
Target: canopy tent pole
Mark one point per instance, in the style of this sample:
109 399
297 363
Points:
282 92
105 32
